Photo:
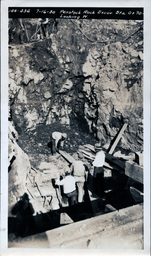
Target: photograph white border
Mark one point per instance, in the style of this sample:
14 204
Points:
4 114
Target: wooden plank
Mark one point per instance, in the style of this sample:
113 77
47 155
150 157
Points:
134 171
30 193
109 208
136 194
107 165
65 219
34 169
109 159
139 158
114 160
93 226
89 146
34 192
118 138
38 189
66 156
87 156
87 153
124 237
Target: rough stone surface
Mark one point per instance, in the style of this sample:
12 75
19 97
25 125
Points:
77 76
85 79
87 83
19 166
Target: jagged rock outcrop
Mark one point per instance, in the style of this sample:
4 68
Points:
87 71
18 168
116 99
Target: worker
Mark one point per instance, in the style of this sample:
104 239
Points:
69 187
79 170
98 174
57 141
44 27
23 31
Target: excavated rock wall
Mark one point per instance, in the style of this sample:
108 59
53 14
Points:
18 168
117 95
87 71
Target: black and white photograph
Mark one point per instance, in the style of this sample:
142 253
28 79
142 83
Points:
76 119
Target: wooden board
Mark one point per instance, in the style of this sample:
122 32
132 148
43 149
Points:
128 237
66 156
115 161
136 194
110 161
124 226
134 171
109 208
117 139
65 219
89 146
87 153
139 158
33 191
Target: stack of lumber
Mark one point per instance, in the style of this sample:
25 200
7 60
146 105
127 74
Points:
89 152
111 162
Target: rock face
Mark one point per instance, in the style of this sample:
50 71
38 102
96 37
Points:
18 168
88 72
116 100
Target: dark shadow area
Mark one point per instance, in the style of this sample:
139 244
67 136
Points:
117 194
90 183
50 146
120 179
34 224
79 122
47 221
109 183
25 223
78 212
120 198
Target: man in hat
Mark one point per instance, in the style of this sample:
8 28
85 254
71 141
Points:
58 140
98 174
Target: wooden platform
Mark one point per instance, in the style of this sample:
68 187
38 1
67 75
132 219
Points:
116 230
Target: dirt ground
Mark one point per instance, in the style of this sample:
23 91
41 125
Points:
50 209
35 142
